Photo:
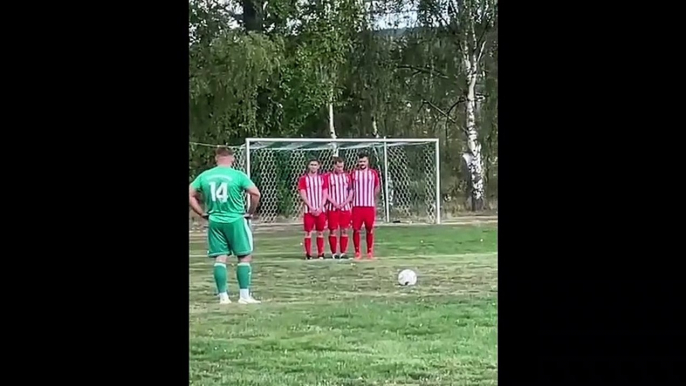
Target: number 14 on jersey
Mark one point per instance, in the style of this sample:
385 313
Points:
219 192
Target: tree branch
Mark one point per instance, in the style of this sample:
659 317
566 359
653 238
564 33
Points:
472 27
437 12
420 107
446 115
460 100
425 70
480 54
481 41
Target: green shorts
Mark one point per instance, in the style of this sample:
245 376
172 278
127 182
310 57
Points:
227 238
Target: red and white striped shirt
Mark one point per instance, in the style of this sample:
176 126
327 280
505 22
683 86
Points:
339 187
313 185
365 183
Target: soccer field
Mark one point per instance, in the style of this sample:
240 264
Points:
349 323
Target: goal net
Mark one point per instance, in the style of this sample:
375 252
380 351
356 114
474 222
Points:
408 169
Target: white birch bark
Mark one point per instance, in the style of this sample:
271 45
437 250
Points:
473 156
332 130
473 43
375 129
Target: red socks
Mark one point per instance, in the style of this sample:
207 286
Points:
308 246
370 242
356 241
344 243
332 244
320 246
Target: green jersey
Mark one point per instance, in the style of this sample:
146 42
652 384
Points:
223 189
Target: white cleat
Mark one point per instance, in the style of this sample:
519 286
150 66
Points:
224 299
249 300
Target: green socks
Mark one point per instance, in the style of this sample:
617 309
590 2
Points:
244 274
220 277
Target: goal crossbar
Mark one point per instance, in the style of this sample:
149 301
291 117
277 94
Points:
359 140
318 145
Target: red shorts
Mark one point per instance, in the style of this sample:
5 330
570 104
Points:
363 215
311 222
338 219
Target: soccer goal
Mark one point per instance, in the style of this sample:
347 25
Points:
409 171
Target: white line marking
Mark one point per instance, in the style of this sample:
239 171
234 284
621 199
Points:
197 238
294 243
274 228
260 254
290 258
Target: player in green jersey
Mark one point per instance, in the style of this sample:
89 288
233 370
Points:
223 189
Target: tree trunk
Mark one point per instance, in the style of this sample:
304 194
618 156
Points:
473 156
375 129
252 15
332 130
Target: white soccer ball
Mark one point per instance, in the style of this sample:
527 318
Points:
407 277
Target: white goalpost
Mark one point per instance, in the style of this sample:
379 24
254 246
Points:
409 169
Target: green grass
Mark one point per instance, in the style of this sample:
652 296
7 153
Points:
344 323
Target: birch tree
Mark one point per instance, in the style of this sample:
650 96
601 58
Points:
469 25
470 22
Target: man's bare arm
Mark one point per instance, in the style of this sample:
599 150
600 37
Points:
254 194
377 185
349 199
325 196
193 201
303 196
329 198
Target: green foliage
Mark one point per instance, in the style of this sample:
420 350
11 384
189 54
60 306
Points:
225 79
278 80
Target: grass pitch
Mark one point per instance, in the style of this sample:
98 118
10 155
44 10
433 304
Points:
344 323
